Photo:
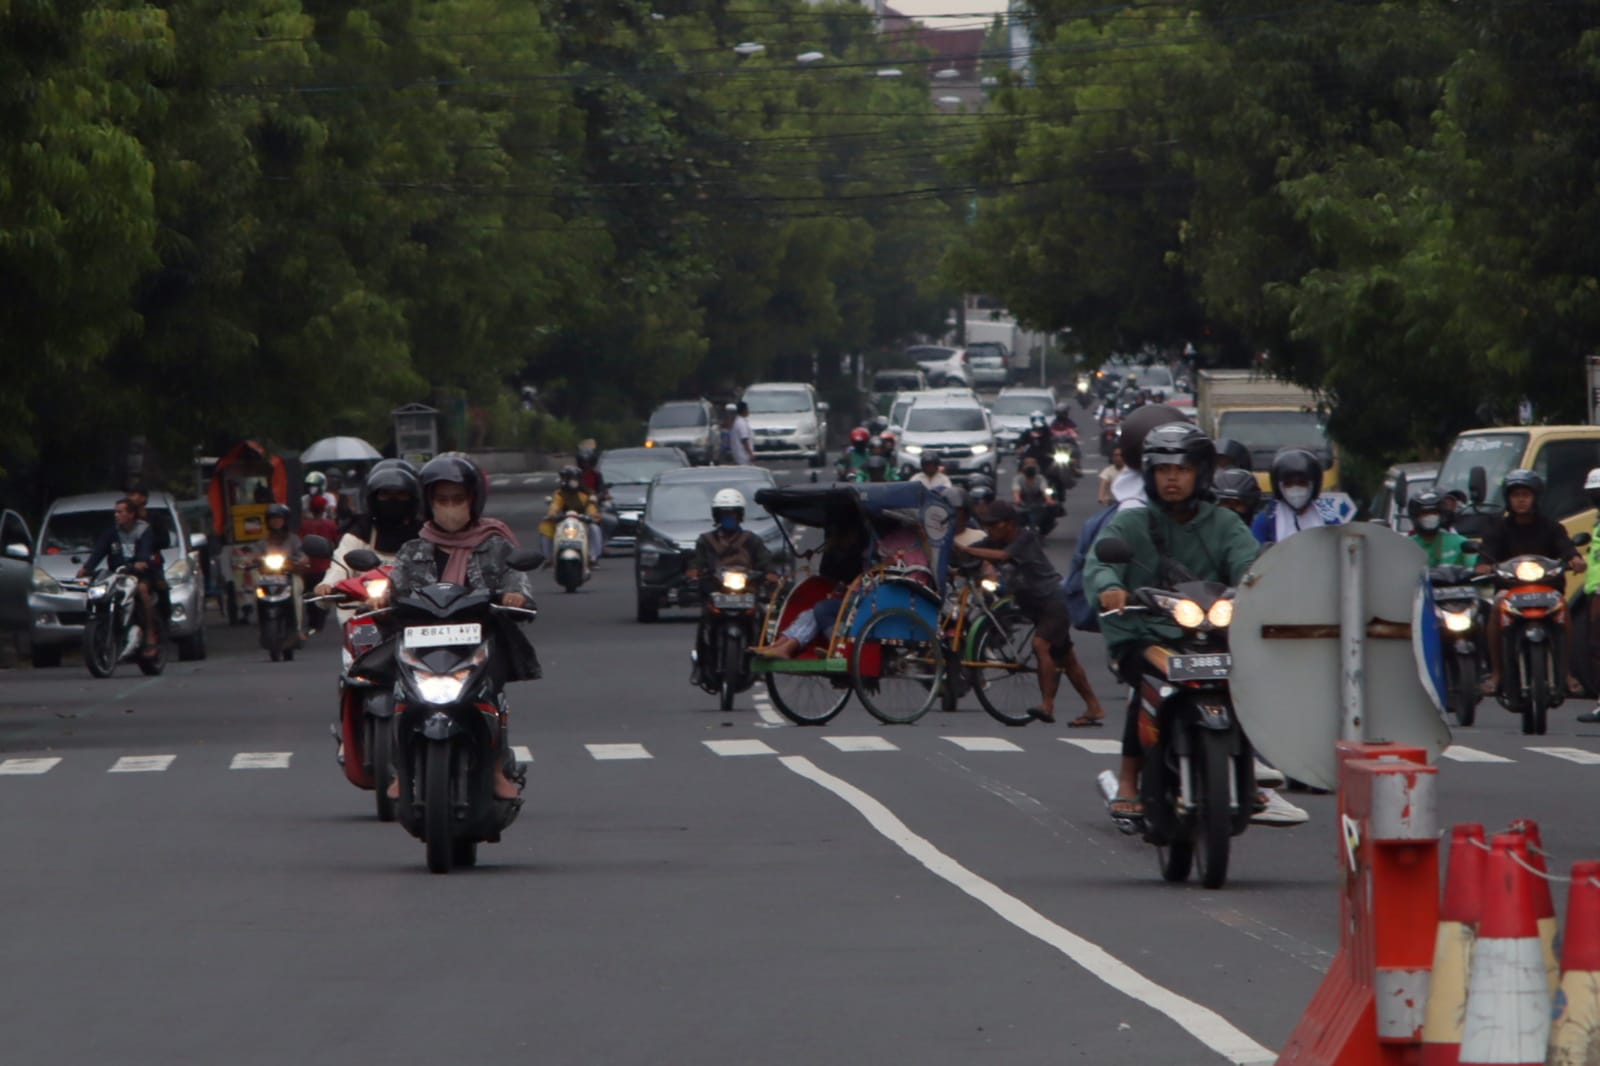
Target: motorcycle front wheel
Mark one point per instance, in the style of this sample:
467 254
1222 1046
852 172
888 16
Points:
1534 712
731 666
1214 820
100 645
436 808
380 749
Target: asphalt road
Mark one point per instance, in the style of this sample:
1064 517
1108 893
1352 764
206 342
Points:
666 897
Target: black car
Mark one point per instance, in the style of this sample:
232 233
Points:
627 473
677 511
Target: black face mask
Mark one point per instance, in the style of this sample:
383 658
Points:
392 512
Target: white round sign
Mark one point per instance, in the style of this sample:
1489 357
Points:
1287 667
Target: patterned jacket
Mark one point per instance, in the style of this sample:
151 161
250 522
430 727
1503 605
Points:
416 565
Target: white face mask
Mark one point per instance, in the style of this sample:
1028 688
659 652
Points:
1428 522
452 518
1297 496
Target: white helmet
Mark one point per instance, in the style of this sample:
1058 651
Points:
1592 482
316 481
727 500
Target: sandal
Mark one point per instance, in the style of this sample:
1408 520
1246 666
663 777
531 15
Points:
1126 807
1042 715
1085 721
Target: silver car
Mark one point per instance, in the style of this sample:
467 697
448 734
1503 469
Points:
787 421
1012 410
690 425
66 539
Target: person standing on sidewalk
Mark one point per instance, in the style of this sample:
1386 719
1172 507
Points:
741 442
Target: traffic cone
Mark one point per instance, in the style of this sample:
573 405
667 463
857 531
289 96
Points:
1508 1001
1543 905
1452 947
1575 1034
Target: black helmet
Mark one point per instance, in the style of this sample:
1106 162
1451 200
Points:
390 475
877 468
456 469
1179 442
1239 484
1236 453
1424 501
587 455
1521 479
1140 422
978 492
1292 462
929 458
278 510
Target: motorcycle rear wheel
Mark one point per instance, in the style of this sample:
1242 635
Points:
1176 860
152 665
1214 821
436 808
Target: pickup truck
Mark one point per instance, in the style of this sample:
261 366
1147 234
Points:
1264 415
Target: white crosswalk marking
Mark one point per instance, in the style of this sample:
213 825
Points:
861 743
1462 753
982 744
521 753
609 752
1095 747
13 767
261 760
738 747
141 764
1577 755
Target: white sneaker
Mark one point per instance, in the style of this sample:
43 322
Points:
1269 776
1278 811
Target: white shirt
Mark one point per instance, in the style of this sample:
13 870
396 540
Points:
941 480
1128 490
739 442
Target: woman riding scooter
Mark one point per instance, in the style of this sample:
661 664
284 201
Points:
570 496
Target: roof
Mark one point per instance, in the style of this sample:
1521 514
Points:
715 473
763 386
947 399
103 501
642 453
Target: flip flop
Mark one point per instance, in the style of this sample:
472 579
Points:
1133 807
1042 716
1084 721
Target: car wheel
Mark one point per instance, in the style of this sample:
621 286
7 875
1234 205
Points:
648 610
45 658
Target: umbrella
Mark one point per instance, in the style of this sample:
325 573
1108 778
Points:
340 450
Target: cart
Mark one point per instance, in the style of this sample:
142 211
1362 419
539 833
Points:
247 480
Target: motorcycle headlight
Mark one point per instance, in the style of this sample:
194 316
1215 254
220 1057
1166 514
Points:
990 585
1458 621
180 572
43 582
911 449
1221 614
980 449
445 687
734 581
274 560
377 588
99 592
1528 570
1188 614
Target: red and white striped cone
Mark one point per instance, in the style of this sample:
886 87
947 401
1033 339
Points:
1508 1001
1452 947
1544 907
1575 1034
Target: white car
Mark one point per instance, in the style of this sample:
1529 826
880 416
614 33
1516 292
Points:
955 428
1013 408
943 365
787 421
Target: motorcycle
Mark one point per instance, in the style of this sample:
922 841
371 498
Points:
450 716
732 610
275 607
111 631
571 544
1109 431
1457 606
1084 393
1066 461
1198 782
1044 510
1533 635
366 694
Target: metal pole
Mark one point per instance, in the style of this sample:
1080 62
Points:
1352 636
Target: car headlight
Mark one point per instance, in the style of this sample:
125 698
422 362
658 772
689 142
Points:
911 449
1188 614
1458 621
1528 570
980 449
445 687
649 557
180 571
43 582
734 581
377 588
1221 614
274 561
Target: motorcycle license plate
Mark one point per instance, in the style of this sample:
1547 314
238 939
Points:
441 636
729 601
1534 599
1199 667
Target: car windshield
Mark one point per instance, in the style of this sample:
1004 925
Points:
945 420
678 416
897 415
1022 405
74 531
778 402
690 501
985 350
1265 432
637 469
895 382
1497 453
1155 377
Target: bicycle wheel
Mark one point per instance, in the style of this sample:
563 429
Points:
1007 682
808 699
897 666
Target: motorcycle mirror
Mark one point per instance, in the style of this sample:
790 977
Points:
317 547
362 559
1581 539
1401 491
1477 485
1113 550
525 559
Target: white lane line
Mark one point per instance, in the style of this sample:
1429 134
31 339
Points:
982 744
764 708
530 481
1094 747
610 752
521 753
141 764
1462 753
1577 755
261 760
738 747
13 767
861 743
1203 1023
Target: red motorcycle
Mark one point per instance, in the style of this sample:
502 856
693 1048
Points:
366 702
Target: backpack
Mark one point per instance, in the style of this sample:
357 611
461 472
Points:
1085 615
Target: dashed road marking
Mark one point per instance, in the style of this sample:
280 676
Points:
1462 753
1095 747
1577 755
521 753
739 747
15 767
261 760
861 743
764 708
982 744
141 764
610 752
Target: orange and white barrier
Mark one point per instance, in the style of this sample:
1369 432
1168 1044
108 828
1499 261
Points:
1452 947
1544 907
1508 998
1575 1033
